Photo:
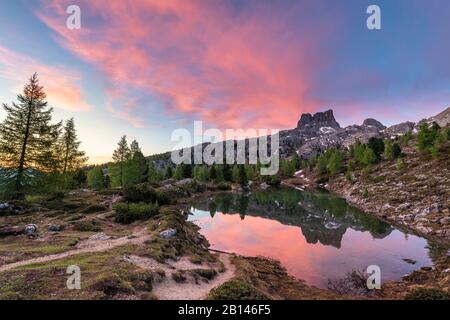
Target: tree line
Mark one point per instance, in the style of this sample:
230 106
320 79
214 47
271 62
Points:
430 140
130 167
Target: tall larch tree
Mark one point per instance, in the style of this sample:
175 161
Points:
72 157
27 138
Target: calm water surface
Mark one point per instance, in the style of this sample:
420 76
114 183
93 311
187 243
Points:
316 236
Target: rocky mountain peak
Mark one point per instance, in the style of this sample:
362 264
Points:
373 123
319 119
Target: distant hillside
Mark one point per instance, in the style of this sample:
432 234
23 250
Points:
316 133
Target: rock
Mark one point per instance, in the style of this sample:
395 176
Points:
99 236
445 220
167 234
264 186
400 129
319 119
4 206
410 261
374 123
31 229
403 206
434 208
332 225
55 227
423 229
386 207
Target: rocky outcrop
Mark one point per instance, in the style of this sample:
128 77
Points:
373 123
415 196
442 119
400 129
317 121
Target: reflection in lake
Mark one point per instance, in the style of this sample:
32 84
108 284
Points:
315 235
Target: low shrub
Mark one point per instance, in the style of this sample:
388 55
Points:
178 276
85 226
428 294
111 284
142 280
146 193
129 212
140 193
235 290
205 273
224 186
94 208
365 193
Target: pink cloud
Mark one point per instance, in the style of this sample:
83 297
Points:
197 57
61 85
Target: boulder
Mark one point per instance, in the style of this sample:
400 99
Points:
55 228
31 229
99 236
167 234
4 206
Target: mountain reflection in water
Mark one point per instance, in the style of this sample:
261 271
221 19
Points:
316 236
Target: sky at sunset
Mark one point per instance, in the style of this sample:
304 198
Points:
146 67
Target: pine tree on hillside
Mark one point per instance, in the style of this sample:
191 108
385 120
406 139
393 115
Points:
213 173
73 158
169 172
369 157
243 178
219 173
134 148
135 169
27 138
178 172
95 179
120 155
153 173
235 174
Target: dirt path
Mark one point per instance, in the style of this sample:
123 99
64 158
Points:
169 289
138 236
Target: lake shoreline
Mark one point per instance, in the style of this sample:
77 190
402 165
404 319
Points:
434 274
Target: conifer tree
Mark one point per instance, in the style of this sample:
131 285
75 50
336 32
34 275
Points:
73 159
95 179
120 155
369 157
219 174
213 173
27 138
243 179
235 174
179 172
134 148
153 173
169 172
135 169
